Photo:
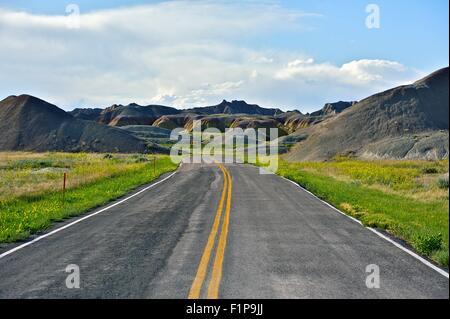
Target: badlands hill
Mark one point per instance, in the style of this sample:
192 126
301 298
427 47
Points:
406 122
223 115
123 115
31 124
169 117
235 107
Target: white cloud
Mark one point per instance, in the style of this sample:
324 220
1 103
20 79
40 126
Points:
167 99
258 58
177 53
299 62
358 73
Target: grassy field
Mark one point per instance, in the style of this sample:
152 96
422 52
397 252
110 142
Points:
30 186
409 199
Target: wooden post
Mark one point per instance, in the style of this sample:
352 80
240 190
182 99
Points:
154 166
64 186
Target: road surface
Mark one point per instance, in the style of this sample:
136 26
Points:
193 235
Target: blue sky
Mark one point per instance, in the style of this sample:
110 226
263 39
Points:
289 54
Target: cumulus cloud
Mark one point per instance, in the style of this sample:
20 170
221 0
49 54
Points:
359 72
177 53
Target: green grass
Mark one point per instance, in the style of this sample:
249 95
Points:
24 214
400 197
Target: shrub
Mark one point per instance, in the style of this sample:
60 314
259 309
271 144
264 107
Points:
430 170
443 182
426 244
141 159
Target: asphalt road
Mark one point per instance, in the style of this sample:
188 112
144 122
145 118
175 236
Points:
193 236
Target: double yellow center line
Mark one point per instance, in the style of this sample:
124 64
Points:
216 274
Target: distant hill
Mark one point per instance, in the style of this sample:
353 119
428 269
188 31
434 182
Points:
171 122
409 121
221 122
333 108
294 120
123 115
134 114
86 114
234 107
31 124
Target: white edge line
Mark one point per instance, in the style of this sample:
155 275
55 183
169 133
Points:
408 251
423 260
83 218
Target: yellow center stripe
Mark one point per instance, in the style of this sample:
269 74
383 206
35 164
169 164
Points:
196 287
213 289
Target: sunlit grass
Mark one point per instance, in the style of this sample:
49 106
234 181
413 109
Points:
414 179
31 186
